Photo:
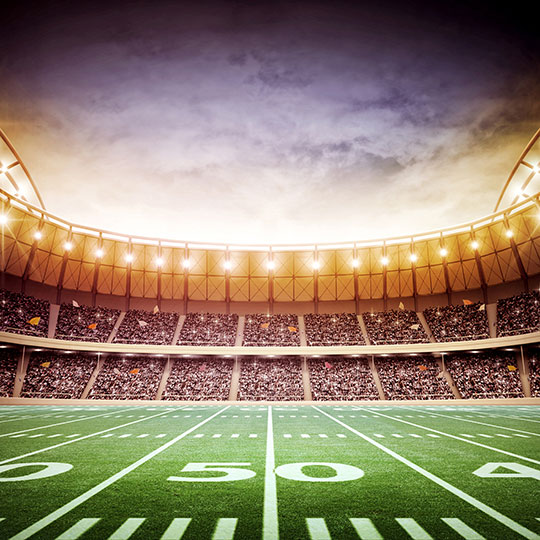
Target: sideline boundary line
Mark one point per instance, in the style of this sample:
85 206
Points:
66 508
270 514
491 512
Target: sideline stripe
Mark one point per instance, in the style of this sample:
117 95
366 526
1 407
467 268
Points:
365 529
463 529
491 512
225 529
63 510
80 438
127 529
317 529
270 516
57 424
78 529
490 425
459 438
176 529
413 529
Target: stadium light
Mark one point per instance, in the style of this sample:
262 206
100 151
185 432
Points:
384 261
3 219
159 261
509 233
355 263
227 265
4 169
413 257
68 246
443 252
186 263
38 235
315 265
271 265
99 253
129 258
474 244
536 169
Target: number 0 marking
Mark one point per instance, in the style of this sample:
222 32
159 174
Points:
51 469
343 473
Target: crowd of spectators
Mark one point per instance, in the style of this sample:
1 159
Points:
341 379
199 379
57 375
458 323
146 327
209 329
412 378
337 329
486 375
276 330
128 378
85 323
519 314
275 380
9 358
393 327
22 314
534 375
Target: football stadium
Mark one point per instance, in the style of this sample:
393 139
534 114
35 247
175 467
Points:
269 271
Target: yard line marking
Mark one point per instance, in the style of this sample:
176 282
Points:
124 436
107 436
413 529
80 438
323 436
520 435
491 512
53 425
127 529
216 436
142 435
516 418
287 435
225 529
467 435
432 435
463 529
235 435
55 435
270 515
161 435
36 435
25 417
397 435
415 435
305 436
503 435
198 435
317 529
379 435
253 435
17 436
63 510
78 529
485 436
72 436
494 425
365 529
341 436
460 439
176 529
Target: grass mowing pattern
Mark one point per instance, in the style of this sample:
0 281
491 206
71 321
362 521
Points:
127 479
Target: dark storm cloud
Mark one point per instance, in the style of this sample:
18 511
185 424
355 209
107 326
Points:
309 115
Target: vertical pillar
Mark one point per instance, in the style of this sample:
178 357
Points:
97 265
385 276
227 280
413 269
32 254
517 257
159 266
444 255
355 278
271 273
128 275
63 268
186 265
481 274
316 280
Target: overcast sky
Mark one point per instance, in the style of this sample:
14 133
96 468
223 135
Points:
269 122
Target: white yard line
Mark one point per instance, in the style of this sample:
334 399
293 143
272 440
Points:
26 417
270 516
58 424
68 507
468 441
486 424
71 441
491 512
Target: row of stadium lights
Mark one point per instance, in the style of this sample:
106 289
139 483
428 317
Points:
271 265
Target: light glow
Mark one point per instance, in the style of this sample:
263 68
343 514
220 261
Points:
99 253
475 244
271 265
129 258
413 257
186 263
227 265
443 252
315 265
68 246
38 235
509 233
159 261
3 219
355 263
384 261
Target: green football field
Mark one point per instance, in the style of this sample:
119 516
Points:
320 472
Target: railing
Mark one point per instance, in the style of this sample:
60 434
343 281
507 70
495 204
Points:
178 397
518 331
48 395
495 395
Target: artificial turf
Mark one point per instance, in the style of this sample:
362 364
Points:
396 472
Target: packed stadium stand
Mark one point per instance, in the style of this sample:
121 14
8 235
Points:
141 326
458 323
85 323
204 378
393 327
534 375
9 359
209 329
22 314
519 314
57 375
412 378
128 378
341 379
277 330
279 380
336 329
486 375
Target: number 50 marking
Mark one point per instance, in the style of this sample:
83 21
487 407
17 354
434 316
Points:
290 471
